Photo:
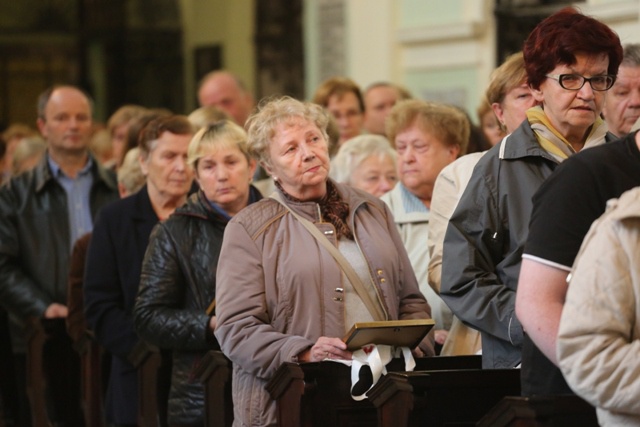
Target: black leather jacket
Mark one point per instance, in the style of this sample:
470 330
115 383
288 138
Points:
177 285
34 241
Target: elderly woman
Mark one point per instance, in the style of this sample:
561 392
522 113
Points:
281 296
366 162
114 260
571 61
510 97
178 279
427 136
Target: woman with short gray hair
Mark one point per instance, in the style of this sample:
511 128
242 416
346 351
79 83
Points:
366 162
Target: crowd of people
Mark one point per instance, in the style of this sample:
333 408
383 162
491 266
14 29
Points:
266 231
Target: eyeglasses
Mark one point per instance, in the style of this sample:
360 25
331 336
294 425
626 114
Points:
576 81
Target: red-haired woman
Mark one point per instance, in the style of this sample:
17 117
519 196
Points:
571 61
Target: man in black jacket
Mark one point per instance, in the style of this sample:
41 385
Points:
42 212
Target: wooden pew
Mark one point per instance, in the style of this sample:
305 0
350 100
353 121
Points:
440 398
214 371
547 411
318 394
36 382
91 353
91 364
53 374
154 379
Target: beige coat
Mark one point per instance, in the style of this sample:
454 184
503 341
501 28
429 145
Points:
599 338
278 291
448 189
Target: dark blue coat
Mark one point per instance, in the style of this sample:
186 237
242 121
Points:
112 274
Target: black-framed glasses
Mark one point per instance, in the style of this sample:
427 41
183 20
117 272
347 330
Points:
576 81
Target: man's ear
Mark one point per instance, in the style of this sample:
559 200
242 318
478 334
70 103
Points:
41 126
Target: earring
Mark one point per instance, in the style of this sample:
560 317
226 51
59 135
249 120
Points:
275 178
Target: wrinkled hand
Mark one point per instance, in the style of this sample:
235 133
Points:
56 311
326 348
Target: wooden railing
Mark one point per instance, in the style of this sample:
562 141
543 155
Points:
154 378
541 412
441 398
53 374
214 371
91 365
318 394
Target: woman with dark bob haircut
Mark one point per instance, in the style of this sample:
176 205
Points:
571 61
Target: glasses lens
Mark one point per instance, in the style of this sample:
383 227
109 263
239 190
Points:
601 82
576 81
571 81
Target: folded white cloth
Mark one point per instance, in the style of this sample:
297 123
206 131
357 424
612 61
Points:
369 364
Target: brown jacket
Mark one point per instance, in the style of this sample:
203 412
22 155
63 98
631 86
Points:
278 291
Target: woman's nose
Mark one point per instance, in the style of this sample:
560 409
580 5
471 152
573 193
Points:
386 184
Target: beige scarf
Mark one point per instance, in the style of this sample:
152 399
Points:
553 142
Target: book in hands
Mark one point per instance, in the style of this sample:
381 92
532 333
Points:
398 333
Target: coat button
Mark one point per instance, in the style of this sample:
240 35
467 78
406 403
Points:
338 299
339 290
379 271
383 280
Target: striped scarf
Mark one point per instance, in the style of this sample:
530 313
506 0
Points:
553 142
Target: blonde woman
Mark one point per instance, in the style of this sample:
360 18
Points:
178 280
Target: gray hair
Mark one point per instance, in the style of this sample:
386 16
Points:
270 113
355 151
130 173
631 55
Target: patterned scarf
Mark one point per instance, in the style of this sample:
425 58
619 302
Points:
332 208
553 142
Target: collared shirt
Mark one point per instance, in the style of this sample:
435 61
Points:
78 193
410 202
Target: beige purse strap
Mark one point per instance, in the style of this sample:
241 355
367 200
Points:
374 309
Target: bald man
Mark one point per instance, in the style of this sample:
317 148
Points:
42 213
226 91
